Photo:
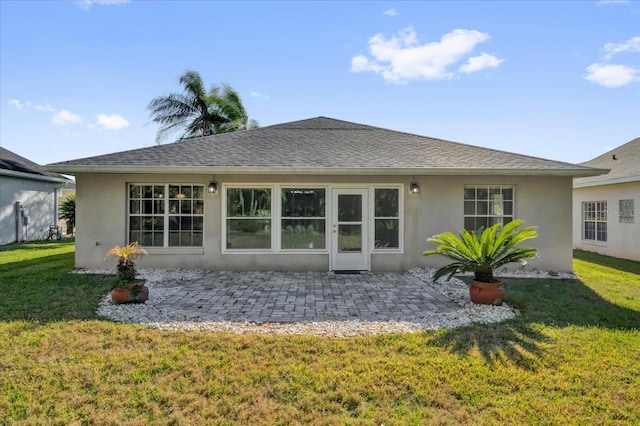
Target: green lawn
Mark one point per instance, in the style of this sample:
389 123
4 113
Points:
571 358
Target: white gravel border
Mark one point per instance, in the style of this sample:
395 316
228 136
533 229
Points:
151 315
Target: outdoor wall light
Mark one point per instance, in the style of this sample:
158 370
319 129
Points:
213 187
414 188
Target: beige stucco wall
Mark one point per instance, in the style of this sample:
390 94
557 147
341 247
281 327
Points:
541 201
623 239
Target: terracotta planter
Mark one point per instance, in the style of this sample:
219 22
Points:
486 293
124 295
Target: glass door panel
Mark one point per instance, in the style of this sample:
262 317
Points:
349 234
350 238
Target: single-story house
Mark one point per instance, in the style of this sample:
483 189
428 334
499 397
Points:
605 207
316 194
28 198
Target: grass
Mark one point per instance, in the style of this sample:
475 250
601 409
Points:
571 358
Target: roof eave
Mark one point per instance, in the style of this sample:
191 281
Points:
417 171
590 183
33 176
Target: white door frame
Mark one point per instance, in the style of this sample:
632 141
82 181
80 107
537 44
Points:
358 260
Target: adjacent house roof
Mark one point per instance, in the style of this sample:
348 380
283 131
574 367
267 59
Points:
624 162
320 146
11 164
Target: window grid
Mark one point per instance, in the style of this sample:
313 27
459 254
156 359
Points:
486 205
626 211
158 220
594 217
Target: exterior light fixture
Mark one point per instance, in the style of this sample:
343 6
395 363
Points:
414 188
213 187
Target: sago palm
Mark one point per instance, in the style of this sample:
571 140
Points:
484 251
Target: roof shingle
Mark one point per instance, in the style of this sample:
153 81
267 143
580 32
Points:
12 162
319 144
624 162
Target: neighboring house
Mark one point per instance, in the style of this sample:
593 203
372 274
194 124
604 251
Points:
28 198
605 207
316 194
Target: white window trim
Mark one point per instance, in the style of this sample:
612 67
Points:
223 216
167 249
514 214
595 242
372 218
276 217
327 206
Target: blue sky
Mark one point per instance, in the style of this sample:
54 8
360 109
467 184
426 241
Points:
558 80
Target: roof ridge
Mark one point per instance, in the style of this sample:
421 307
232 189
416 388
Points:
622 148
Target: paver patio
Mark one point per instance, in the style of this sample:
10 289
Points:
304 297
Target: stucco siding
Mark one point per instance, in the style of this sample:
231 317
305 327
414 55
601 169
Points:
541 201
623 239
37 199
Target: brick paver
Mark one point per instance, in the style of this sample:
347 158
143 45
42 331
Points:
306 296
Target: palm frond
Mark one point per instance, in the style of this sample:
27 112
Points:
198 112
485 250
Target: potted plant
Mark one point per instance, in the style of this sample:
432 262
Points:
482 252
127 288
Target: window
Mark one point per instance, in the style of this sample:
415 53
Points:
594 219
303 218
486 205
286 218
387 218
248 218
626 211
167 215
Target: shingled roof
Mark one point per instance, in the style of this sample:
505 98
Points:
624 162
319 146
11 164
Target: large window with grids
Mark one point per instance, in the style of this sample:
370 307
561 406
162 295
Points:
486 205
166 215
594 221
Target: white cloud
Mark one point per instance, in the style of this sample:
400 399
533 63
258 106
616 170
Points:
18 104
402 57
631 45
259 95
27 105
86 4
390 12
478 63
611 75
604 2
65 117
112 122
46 107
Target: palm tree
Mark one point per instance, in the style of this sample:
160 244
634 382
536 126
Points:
233 109
197 112
68 212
